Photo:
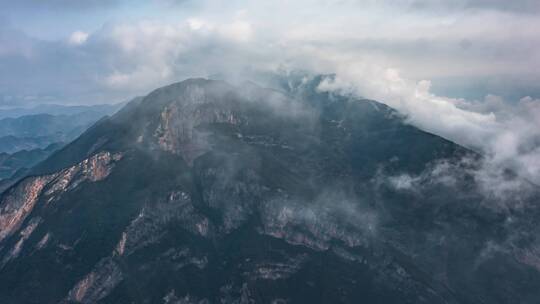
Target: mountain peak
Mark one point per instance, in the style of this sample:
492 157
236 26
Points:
205 192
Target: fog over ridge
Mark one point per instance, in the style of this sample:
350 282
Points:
394 52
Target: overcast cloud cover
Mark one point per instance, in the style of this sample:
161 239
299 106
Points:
466 70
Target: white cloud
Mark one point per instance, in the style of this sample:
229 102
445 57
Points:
414 37
238 30
380 52
78 38
508 135
197 24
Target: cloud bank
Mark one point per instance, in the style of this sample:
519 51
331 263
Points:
402 53
465 48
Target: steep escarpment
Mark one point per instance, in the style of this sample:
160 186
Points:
19 202
203 192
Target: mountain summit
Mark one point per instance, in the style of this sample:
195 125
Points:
204 192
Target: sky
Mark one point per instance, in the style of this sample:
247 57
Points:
101 51
465 70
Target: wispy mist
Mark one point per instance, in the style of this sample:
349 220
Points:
395 52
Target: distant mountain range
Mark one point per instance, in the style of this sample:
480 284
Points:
53 109
24 159
28 136
13 144
205 192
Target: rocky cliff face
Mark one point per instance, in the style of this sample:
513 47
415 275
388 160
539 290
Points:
19 201
207 193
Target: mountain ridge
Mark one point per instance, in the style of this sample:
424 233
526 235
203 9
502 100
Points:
205 192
